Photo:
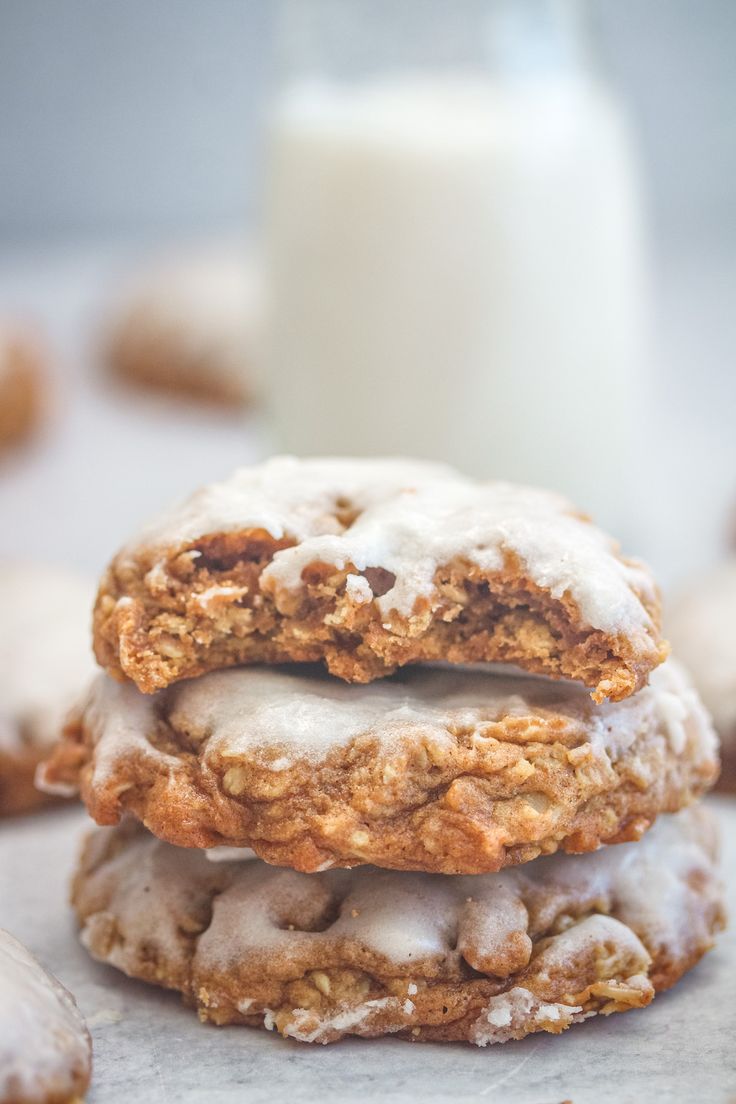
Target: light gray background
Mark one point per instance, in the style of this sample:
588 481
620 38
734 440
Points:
127 121
140 116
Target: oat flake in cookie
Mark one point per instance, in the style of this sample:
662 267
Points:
428 957
45 1048
369 565
442 770
45 664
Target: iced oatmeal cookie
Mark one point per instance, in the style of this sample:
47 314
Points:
369 565
45 664
45 1048
426 957
440 770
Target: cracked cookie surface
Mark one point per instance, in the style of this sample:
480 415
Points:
428 957
369 565
433 769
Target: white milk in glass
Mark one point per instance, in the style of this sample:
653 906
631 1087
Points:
455 272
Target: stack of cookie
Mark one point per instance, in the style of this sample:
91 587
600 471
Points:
417 809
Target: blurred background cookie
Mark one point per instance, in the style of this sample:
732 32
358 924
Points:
702 628
45 661
186 325
21 384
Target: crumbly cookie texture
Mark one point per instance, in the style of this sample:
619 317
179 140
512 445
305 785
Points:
21 388
188 326
45 664
370 565
45 1048
433 769
372 952
703 625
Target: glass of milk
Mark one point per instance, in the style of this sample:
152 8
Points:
454 249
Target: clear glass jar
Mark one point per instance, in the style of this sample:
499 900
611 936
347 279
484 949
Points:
454 245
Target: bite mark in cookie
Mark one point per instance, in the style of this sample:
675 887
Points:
371 952
433 769
370 565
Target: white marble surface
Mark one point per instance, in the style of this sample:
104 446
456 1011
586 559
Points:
150 1048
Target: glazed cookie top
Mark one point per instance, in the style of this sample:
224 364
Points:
703 625
276 717
45 1048
45 655
410 517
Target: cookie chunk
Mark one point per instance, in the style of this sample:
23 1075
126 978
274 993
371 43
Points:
370 565
703 626
45 664
426 957
21 386
45 1048
439 770
187 326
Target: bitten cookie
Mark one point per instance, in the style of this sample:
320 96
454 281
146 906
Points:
45 664
21 386
427 957
703 626
45 1048
370 565
188 325
439 770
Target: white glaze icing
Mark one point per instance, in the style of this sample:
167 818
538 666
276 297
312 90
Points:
229 854
510 1011
413 517
45 654
409 919
302 1026
703 628
44 1045
276 717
